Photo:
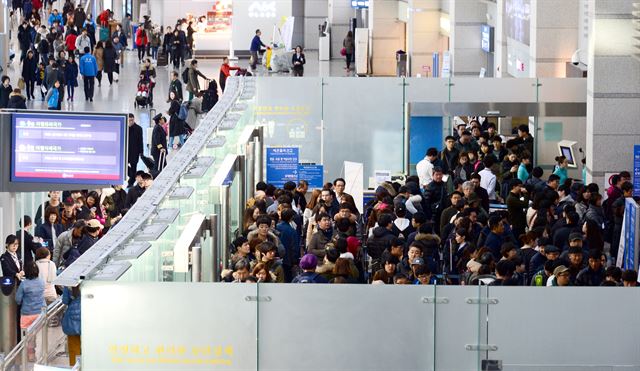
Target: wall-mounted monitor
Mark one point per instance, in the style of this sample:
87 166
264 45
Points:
566 149
487 37
360 4
67 148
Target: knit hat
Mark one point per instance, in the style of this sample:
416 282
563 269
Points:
309 261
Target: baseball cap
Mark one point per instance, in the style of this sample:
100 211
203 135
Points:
68 201
551 249
417 261
575 236
559 270
309 261
94 223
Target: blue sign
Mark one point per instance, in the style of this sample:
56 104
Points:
636 170
436 64
282 165
487 38
313 174
629 234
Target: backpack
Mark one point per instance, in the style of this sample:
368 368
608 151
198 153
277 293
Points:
184 111
309 279
185 75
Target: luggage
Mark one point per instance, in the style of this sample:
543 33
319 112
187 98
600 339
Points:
163 59
104 33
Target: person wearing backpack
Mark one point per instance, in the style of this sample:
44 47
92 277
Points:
53 97
193 85
308 265
176 124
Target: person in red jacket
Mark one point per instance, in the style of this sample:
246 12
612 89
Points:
70 41
142 41
225 71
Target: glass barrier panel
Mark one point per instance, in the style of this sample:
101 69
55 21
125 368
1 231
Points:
457 324
291 111
565 328
153 328
562 90
363 122
344 327
467 89
434 90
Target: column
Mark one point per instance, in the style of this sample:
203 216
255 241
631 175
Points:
613 95
340 12
554 36
387 36
315 13
423 35
467 57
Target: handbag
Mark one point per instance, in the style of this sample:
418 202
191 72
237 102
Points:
343 52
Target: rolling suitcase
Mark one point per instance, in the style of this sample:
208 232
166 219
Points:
163 59
104 33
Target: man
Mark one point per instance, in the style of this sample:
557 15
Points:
83 42
504 273
593 275
328 197
291 242
338 187
256 44
499 152
88 70
30 244
524 140
517 204
449 155
308 264
553 182
68 216
126 29
617 208
629 278
534 181
321 237
487 178
495 240
455 197
381 239
135 148
193 86
136 191
175 86
466 144
562 234
79 17
575 258
480 192
435 197
424 168
562 276
300 193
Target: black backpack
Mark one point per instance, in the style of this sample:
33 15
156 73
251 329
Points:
185 75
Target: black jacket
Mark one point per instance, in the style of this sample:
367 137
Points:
30 247
17 101
132 196
86 242
380 241
176 87
9 268
29 69
300 59
45 231
4 95
158 140
589 277
109 56
136 146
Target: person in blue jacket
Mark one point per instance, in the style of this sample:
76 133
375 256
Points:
256 44
561 168
71 76
55 16
71 322
88 70
291 242
30 297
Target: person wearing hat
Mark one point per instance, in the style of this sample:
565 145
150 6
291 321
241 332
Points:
308 264
159 141
416 263
561 276
90 235
546 252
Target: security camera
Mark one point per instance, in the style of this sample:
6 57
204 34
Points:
575 58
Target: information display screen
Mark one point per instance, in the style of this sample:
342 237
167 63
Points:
64 148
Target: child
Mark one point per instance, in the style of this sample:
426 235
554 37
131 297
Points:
30 295
71 76
40 79
53 97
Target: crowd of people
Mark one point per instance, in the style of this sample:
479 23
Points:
440 225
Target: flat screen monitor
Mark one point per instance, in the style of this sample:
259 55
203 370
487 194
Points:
68 148
568 153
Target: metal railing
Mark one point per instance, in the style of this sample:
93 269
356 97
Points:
37 345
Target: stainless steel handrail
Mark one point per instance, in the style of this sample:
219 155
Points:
146 206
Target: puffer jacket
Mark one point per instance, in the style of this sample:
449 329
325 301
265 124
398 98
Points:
71 322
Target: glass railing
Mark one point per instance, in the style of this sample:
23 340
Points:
356 327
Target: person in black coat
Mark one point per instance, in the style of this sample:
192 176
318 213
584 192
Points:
30 245
29 73
51 228
176 125
5 91
158 141
17 100
110 57
10 260
135 148
298 60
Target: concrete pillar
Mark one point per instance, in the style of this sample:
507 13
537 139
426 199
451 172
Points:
554 36
315 13
466 16
387 36
613 89
423 35
8 216
340 12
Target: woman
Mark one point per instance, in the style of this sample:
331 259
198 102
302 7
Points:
110 56
5 91
30 297
243 252
141 42
93 203
561 168
261 272
190 32
47 273
11 264
159 142
122 38
167 43
71 324
51 229
17 100
523 172
298 60
349 48
177 47
251 213
594 236
342 268
595 211
154 43
149 72
71 76
176 125
464 169
225 72
307 215
29 73
98 52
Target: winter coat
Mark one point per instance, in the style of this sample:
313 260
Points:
17 101
71 74
110 57
71 321
99 54
5 93
29 67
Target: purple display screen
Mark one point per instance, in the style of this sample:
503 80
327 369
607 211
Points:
74 149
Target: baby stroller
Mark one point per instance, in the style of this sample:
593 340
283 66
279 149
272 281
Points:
143 95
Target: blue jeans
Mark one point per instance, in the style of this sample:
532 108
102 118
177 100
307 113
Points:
181 137
154 52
